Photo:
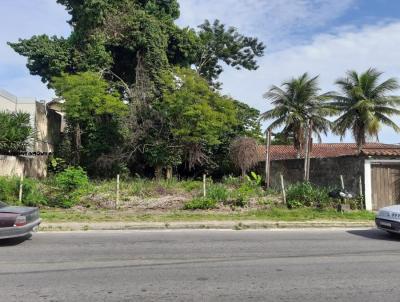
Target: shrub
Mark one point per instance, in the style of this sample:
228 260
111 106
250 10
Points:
70 185
306 195
254 178
72 179
191 185
15 131
217 192
240 196
56 165
32 194
200 204
232 181
9 190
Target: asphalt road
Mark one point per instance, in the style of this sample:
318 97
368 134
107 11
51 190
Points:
327 265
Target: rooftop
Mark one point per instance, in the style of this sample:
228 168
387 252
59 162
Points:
281 152
12 98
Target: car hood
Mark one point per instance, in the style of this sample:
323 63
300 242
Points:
390 213
17 210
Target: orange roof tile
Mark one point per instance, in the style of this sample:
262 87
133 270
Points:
280 152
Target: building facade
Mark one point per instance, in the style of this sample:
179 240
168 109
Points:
47 124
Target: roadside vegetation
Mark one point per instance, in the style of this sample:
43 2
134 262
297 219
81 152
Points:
70 196
142 100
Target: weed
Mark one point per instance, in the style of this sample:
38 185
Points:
201 204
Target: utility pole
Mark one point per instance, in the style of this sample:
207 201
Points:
268 159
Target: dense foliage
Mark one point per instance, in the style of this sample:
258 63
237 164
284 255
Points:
132 101
15 132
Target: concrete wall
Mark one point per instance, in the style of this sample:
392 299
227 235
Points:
8 102
323 172
39 120
29 166
43 141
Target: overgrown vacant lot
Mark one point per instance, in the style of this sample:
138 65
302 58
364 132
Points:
70 196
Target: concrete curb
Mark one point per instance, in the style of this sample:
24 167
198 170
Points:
229 225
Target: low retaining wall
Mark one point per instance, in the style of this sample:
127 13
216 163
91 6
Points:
29 166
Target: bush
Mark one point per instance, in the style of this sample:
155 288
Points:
232 181
9 190
306 195
70 185
200 204
249 189
217 192
72 179
32 194
15 131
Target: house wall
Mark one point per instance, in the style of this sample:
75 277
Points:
45 136
323 172
43 142
8 102
28 166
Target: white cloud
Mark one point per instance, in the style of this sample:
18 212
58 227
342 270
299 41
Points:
329 56
276 22
271 20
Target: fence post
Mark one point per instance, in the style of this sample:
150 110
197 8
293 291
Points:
204 185
117 200
283 189
268 160
342 181
20 187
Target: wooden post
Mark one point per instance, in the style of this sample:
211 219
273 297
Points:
20 188
268 160
342 181
204 185
117 200
283 189
307 152
305 155
310 142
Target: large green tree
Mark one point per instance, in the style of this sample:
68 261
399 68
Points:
92 111
364 105
122 35
297 103
221 44
197 116
133 44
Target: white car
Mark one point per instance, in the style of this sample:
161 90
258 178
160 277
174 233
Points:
388 219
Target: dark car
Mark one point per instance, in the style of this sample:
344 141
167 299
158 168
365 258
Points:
17 221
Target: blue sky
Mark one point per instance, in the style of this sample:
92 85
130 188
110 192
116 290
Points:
325 37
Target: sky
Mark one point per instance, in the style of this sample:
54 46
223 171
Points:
321 37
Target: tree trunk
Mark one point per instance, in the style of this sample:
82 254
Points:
169 172
78 143
158 172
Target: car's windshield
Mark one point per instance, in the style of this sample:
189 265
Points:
2 205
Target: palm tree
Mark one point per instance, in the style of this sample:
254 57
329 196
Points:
296 104
364 105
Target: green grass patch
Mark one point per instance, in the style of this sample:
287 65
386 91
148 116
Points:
274 214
